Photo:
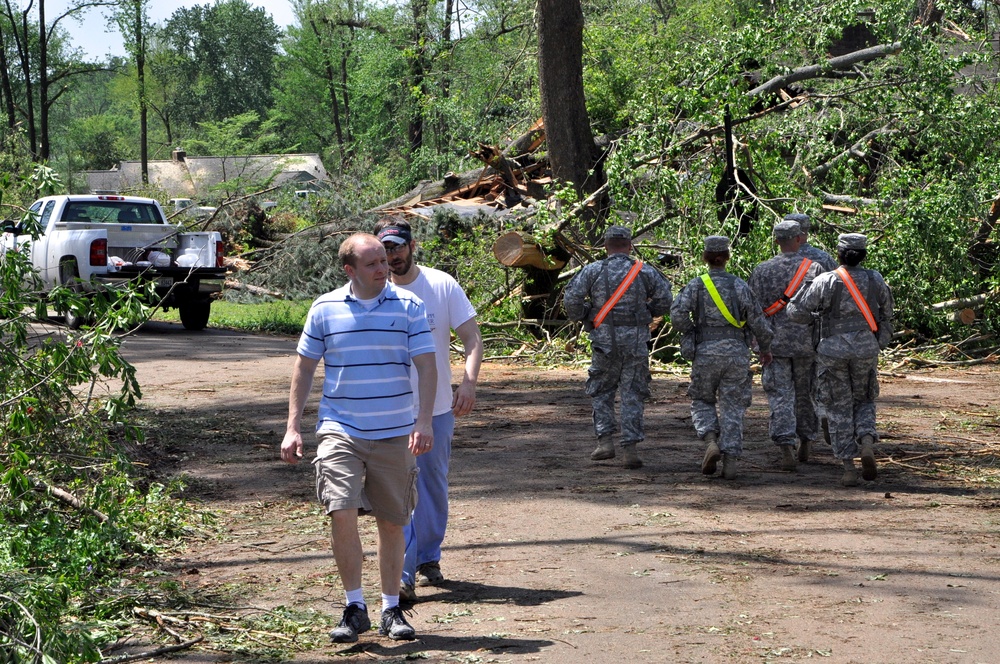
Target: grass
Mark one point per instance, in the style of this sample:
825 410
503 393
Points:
282 317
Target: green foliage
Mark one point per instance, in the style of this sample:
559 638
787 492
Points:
73 510
220 58
242 312
456 245
925 164
101 141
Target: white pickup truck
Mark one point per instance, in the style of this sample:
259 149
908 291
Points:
94 242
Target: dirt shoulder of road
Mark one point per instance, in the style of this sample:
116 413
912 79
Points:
551 557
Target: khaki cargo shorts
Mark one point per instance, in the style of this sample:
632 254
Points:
372 476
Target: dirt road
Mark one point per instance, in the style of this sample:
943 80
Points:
551 557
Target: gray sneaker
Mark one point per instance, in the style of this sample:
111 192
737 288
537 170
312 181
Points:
429 574
394 625
354 621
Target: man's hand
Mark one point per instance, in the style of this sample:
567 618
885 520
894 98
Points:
421 438
291 447
463 400
766 358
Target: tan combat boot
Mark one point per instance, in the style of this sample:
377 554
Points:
712 454
805 447
632 460
605 449
869 470
729 466
788 461
850 473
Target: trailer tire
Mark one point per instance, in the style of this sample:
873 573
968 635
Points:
194 315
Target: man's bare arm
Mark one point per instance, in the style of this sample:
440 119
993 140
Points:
302 380
464 398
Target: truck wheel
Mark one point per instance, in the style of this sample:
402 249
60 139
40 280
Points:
194 316
70 277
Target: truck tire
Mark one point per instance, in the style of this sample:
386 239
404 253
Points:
194 315
69 276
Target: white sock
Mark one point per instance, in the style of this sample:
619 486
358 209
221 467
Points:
389 601
356 597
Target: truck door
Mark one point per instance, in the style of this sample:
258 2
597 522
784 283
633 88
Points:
40 247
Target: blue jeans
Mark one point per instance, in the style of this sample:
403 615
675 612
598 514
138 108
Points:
426 530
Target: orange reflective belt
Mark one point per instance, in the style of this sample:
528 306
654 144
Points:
793 286
859 300
617 295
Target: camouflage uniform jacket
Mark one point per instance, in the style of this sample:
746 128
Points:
694 312
817 255
844 333
768 283
647 297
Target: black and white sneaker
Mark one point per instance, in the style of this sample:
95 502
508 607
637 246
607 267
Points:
354 621
394 625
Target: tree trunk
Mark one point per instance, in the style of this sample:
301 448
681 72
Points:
572 154
8 92
418 72
330 79
24 56
43 85
140 64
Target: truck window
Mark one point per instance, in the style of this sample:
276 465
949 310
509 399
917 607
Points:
112 212
46 213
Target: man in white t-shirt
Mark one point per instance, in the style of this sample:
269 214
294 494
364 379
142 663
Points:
448 308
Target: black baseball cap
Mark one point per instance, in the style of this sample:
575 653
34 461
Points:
395 234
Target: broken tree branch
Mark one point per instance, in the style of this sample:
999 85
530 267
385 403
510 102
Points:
66 497
831 65
857 149
152 653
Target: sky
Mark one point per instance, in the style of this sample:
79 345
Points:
93 37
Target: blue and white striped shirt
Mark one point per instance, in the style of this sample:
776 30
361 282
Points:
366 355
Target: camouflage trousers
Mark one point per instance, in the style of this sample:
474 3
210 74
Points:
624 373
845 395
720 395
788 383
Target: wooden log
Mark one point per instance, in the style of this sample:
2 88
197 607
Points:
256 290
527 142
962 302
964 316
517 249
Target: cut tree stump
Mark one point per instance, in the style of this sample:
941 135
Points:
518 249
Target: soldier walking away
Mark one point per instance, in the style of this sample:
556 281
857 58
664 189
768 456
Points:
855 309
714 313
827 263
817 255
788 379
617 298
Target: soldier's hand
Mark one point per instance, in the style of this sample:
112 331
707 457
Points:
766 358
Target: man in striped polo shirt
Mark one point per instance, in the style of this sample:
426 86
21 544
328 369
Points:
367 334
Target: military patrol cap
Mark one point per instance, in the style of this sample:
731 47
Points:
617 233
717 243
852 241
787 230
801 219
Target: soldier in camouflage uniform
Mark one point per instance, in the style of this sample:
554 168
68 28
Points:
847 355
720 371
788 379
620 342
815 254
827 262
